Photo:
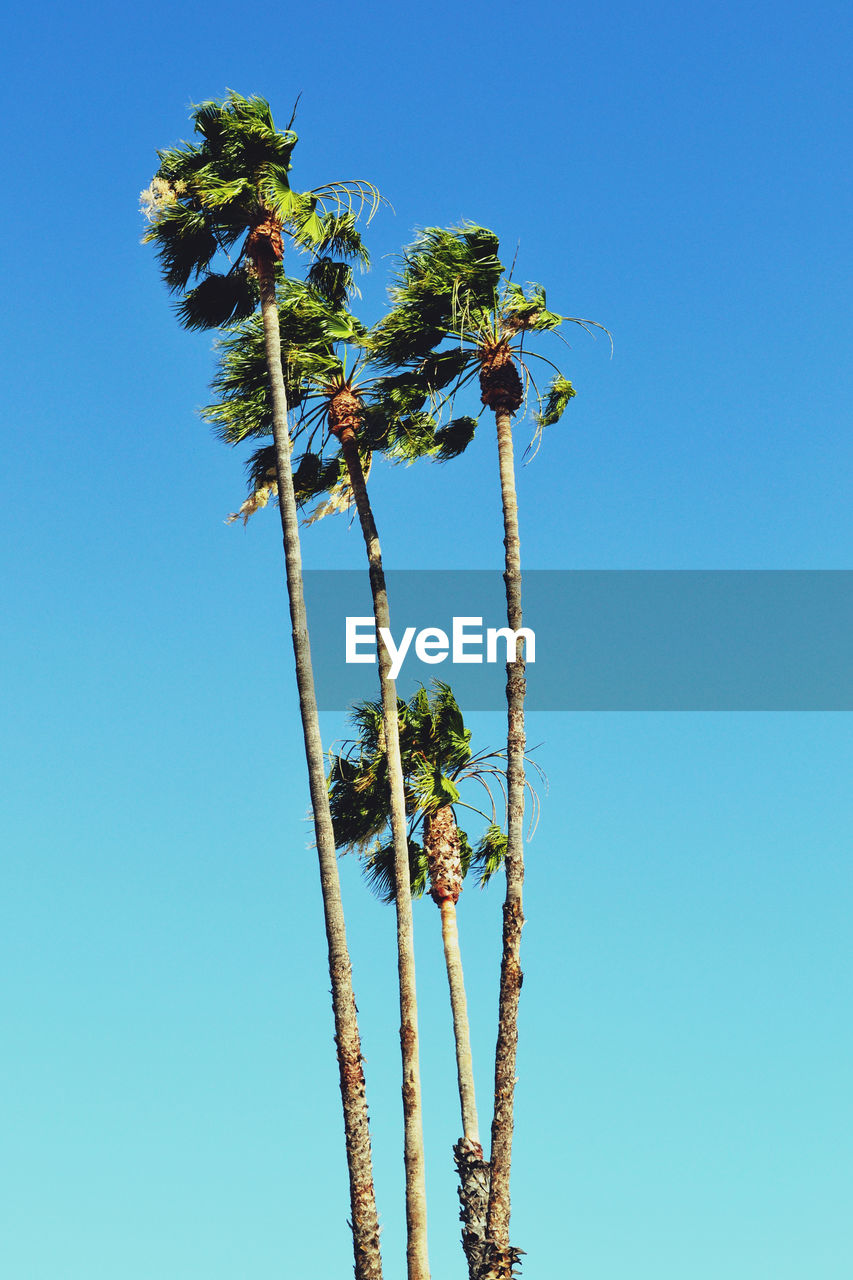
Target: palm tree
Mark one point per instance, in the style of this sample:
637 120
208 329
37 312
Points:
437 759
456 317
339 402
229 197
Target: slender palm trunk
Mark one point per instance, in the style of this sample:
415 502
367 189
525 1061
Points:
365 1223
461 1027
501 1256
444 865
472 1169
416 1216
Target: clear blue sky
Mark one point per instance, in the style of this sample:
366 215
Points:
168 1095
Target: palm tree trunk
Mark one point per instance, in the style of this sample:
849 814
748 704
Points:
461 1027
416 1216
365 1222
468 1153
501 1256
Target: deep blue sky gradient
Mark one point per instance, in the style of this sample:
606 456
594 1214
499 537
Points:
169 1101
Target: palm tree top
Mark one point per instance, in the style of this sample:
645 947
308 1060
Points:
218 206
456 314
332 383
437 759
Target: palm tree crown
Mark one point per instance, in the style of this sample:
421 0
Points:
456 316
219 209
437 759
332 386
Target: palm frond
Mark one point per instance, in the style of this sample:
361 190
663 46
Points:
340 238
441 267
555 403
453 438
332 280
380 873
489 854
218 300
185 240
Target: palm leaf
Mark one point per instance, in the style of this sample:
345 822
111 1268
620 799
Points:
453 438
218 300
556 400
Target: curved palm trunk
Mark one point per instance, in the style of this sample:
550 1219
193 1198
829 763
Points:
365 1223
416 1218
501 1257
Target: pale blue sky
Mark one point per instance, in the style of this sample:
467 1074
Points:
169 1100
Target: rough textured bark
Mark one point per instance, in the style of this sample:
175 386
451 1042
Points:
474 1199
500 1258
416 1215
443 855
444 867
365 1222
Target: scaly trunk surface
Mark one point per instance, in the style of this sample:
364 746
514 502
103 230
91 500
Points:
343 423
365 1222
441 845
502 386
444 866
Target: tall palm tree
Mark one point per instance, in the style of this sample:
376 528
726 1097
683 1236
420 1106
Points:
340 404
456 317
229 197
437 759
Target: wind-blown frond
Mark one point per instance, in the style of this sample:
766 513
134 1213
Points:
230 195
332 280
489 853
380 876
340 238
186 243
556 400
439 268
218 300
453 438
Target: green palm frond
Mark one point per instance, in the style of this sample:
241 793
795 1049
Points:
453 438
488 857
526 310
556 400
332 280
436 755
340 238
218 300
207 197
453 313
380 875
185 240
440 268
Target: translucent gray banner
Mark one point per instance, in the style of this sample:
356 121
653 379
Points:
657 640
